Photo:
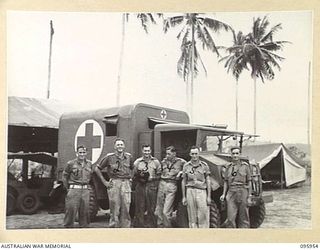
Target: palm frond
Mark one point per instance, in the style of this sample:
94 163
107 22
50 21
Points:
269 36
215 25
212 46
172 22
181 32
200 59
144 21
274 46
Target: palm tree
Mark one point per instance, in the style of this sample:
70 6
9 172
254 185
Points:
256 50
145 19
194 28
235 63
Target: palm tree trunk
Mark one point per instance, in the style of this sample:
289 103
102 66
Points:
121 59
192 73
254 105
237 109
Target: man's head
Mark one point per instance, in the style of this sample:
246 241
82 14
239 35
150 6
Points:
119 145
194 153
235 153
81 152
171 153
146 150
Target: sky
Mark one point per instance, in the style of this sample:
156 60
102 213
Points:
85 61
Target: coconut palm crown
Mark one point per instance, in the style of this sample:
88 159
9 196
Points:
257 50
194 28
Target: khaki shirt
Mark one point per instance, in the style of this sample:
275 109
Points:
196 175
77 173
237 173
117 166
152 166
170 169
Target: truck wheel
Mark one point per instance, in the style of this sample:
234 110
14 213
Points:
93 206
214 221
257 214
11 203
28 202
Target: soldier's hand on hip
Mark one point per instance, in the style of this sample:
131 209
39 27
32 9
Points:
108 184
222 197
249 200
208 201
184 201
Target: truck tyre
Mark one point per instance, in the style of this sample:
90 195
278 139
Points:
214 221
93 206
11 203
28 202
257 214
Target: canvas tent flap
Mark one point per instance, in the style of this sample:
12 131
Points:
294 172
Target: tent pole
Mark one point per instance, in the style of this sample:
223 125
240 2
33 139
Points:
282 169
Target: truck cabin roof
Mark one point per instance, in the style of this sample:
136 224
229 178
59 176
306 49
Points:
218 131
126 111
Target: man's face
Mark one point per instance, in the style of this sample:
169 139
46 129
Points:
81 153
235 154
170 155
146 152
119 146
194 153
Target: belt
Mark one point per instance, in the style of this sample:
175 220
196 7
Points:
153 179
169 180
191 187
237 184
75 186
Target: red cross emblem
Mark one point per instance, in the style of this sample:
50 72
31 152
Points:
163 114
90 135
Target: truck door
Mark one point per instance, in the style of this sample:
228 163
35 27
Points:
182 140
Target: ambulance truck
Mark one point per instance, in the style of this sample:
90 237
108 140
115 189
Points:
160 127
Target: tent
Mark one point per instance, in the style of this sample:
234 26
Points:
277 163
33 124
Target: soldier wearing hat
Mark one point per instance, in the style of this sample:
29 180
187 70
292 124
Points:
237 190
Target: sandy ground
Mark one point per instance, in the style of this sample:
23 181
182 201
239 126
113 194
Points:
291 208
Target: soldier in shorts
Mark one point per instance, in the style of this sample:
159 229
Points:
76 176
196 190
236 190
119 169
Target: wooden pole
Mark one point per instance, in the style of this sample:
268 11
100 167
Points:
121 59
49 64
309 104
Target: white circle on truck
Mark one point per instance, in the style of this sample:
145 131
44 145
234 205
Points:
90 135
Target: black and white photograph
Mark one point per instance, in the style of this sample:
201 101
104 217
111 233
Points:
159 120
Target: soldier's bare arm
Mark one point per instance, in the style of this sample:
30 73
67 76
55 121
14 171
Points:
97 170
183 187
208 190
66 175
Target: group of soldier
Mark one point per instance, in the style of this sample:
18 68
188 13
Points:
156 186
